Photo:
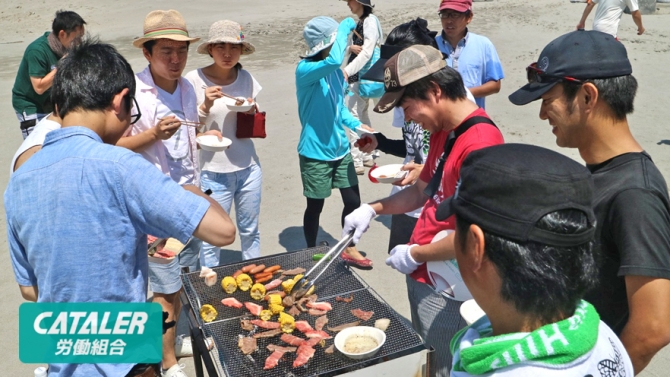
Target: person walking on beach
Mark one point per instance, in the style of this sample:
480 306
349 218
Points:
608 15
472 55
87 195
431 94
166 99
586 101
233 175
367 37
524 246
325 158
32 86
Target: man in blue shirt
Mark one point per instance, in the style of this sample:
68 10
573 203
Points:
471 54
79 233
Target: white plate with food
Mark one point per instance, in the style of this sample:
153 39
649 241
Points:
212 143
239 104
166 251
360 342
388 173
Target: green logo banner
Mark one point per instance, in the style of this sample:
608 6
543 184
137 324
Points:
97 333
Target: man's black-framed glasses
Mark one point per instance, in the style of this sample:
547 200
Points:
536 75
135 117
452 15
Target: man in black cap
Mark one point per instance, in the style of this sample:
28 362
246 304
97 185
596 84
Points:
524 244
584 80
432 95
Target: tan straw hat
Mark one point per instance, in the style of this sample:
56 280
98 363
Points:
164 24
226 31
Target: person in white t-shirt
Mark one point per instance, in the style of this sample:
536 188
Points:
609 14
33 143
524 244
233 175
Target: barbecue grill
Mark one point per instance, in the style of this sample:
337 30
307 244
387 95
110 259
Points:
226 359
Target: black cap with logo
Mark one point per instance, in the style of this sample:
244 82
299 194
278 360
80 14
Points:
576 56
506 189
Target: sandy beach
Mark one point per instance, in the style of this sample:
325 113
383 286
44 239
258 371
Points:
518 29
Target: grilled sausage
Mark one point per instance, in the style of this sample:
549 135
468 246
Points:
272 269
247 269
257 269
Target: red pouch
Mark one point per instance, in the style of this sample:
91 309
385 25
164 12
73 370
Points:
251 125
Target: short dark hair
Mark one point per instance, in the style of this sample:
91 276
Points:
410 34
617 92
149 45
447 78
67 21
543 281
366 12
89 77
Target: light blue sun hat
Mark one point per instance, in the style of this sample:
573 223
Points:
319 33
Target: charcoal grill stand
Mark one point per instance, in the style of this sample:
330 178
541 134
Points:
190 297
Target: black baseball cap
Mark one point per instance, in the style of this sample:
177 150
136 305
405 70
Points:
578 55
376 72
506 189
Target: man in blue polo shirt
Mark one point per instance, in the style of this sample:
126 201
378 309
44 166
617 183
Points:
79 233
472 55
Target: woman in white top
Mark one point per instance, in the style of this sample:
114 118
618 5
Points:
367 36
234 174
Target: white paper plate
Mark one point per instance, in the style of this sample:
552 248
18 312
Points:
445 275
230 103
361 131
388 173
211 143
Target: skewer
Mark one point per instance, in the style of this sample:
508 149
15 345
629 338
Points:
358 35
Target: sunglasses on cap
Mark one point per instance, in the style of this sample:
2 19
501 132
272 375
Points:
536 75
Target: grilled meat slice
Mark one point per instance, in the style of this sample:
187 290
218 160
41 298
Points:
246 324
247 344
267 334
362 315
305 353
266 324
345 299
303 326
321 322
294 271
344 326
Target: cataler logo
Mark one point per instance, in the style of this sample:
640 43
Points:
97 333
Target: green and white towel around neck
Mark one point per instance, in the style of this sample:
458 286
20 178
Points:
579 346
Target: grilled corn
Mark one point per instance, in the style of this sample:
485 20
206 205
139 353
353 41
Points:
208 313
244 282
287 322
266 315
229 284
258 291
274 299
276 308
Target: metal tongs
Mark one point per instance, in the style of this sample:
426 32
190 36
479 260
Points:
303 285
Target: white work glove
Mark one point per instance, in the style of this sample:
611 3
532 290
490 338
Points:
402 260
358 221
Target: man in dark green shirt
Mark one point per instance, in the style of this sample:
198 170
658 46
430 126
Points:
31 92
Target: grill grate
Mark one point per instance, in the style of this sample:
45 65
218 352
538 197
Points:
339 280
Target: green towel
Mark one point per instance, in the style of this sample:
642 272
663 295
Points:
555 344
